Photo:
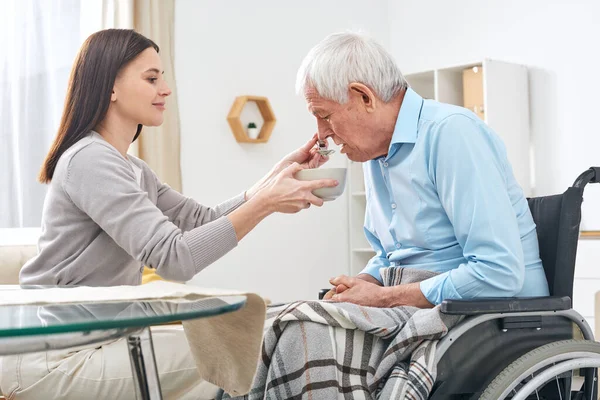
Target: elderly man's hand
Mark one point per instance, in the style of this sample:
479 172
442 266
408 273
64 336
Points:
341 287
366 293
359 291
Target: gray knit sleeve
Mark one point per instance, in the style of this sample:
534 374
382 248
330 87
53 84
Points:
186 212
100 182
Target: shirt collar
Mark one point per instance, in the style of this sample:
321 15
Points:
405 130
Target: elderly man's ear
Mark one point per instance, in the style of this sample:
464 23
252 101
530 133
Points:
362 94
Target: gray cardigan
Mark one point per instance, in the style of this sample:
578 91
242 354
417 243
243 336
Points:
100 227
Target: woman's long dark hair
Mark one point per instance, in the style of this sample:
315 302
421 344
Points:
100 59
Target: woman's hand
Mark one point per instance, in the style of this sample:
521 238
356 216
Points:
285 194
281 193
307 156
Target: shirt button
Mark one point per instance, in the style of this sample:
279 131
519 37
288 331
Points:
385 164
393 206
398 245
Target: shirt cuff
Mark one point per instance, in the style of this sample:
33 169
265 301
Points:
439 288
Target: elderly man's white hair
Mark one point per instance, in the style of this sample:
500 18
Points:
343 58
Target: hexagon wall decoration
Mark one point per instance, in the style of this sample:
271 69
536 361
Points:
233 118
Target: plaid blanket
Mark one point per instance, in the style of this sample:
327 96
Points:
326 350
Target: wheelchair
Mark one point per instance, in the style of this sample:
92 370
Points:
526 348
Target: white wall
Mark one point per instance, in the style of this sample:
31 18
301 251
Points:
558 39
227 49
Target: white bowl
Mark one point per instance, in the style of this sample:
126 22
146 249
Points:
328 193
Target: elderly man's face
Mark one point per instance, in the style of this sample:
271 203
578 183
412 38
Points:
348 125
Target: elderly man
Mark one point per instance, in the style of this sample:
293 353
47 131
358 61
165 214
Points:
441 195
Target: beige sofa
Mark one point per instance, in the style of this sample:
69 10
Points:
12 258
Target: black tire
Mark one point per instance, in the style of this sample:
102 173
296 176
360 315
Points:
534 358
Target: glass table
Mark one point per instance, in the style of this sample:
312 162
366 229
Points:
33 328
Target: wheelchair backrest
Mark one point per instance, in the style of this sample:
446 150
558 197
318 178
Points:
557 219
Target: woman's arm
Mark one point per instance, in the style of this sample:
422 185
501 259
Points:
101 184
184 211
187 214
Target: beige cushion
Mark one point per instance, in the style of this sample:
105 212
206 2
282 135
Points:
12 259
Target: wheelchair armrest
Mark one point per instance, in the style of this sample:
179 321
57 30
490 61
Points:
505 305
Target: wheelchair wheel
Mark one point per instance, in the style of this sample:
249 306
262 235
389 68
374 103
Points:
561 370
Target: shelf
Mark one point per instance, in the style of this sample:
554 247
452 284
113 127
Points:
233 118
589 235
364 250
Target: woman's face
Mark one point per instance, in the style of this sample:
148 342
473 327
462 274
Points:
140 92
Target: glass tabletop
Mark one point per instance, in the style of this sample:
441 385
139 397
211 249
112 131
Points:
26 320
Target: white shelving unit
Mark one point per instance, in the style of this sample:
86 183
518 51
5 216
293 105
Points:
360 249
497 92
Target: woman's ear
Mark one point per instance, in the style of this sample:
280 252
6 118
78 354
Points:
364 95
113 96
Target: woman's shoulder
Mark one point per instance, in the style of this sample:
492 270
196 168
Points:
139 162
93 145
146 170
90 153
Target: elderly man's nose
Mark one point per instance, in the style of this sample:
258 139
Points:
323 132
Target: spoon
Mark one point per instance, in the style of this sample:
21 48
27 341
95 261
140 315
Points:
322 149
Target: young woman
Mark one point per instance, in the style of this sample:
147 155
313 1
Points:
106 216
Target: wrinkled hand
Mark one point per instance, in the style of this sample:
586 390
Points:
307 156
341 287
358 291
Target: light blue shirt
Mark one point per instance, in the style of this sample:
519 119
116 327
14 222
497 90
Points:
445 199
